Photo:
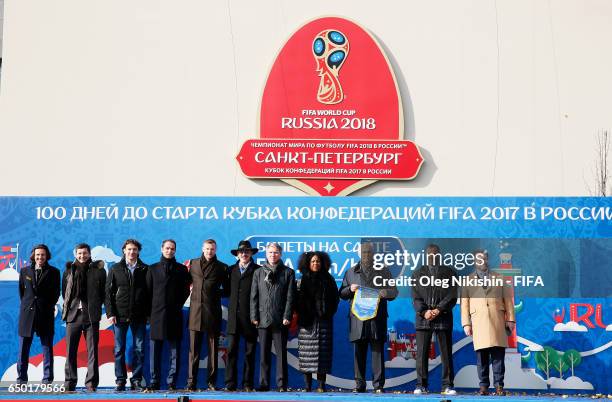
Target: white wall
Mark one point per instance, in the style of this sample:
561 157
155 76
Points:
505 97
1 24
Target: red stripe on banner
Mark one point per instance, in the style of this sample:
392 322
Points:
7 257
6 248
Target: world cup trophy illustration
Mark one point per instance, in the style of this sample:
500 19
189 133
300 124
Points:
330 49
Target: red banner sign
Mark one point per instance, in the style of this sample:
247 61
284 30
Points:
331 86
330 159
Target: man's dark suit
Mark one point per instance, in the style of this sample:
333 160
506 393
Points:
38 291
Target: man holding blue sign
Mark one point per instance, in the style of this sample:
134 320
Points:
368 317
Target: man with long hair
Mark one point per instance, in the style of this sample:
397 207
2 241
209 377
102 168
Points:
39 290
127 307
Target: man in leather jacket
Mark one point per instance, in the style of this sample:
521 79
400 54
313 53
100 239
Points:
127 308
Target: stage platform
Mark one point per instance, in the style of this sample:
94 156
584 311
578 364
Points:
109 395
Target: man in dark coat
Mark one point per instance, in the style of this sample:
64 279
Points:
272 295
372 332
239 317
127 307
208 276
83 290
433 305
168 285
39 289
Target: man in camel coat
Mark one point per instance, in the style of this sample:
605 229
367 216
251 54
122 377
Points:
487 314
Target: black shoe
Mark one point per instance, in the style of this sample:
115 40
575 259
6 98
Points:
263 389
229 389
137 386
379 391
282 389
171 387
359 390
212 387
191 387
91 388
120 388
153 387
248 388
69 387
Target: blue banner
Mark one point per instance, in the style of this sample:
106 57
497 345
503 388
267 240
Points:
563 241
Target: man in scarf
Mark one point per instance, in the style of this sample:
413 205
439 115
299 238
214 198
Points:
272 295
208 276
83 291
168 284
371 332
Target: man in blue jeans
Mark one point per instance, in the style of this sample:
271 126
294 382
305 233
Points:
127 308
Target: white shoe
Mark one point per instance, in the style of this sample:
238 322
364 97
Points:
419 391
449 391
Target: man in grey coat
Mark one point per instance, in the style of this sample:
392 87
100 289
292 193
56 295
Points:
272 296
372 332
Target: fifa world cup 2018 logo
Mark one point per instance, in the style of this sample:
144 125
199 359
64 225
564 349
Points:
330 49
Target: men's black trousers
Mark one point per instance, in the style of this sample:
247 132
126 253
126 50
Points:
445 343
377 350
91 330
279 337
231 370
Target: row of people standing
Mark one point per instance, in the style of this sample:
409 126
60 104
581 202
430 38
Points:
261 304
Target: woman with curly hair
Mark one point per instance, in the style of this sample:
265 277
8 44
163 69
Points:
318 301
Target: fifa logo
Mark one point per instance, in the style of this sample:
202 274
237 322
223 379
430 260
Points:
330 49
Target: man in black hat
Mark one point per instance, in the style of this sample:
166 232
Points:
238 319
